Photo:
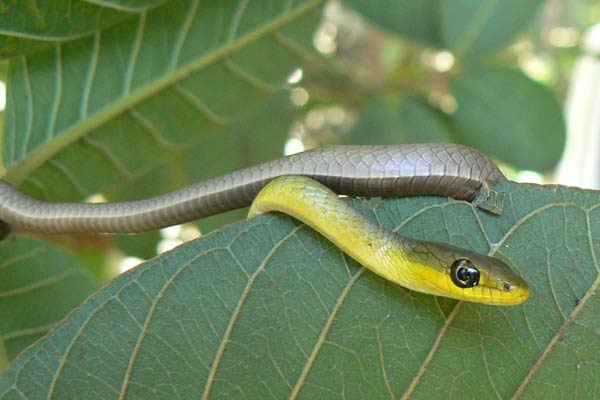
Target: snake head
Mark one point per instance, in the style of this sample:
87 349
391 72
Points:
462 274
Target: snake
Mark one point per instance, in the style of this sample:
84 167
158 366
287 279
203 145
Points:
307 186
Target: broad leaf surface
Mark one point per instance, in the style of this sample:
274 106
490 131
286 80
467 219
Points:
498 106
403 120
78 113
267 308
39 285
413 20
258 136
472 30
27 26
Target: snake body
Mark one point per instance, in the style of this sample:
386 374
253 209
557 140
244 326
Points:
433 169
429 267
290 185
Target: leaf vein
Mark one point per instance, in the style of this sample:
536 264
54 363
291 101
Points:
291 45
183 34
18 173
27 332
39 185
12 134
152 130
117 6
135 52
237 18
276 366
324 332
89 79
557 338
60 167
203 311
486 367
200 105
565 325
247 77
29 96
79 332
386 379
107 153
434 347
57 93
236 313
38 284
21 257
151 311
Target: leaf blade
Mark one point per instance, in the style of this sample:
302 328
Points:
39 285
302 319
143 69
490 114
473 31
29 27
413 20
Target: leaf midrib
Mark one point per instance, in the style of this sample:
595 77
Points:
22 169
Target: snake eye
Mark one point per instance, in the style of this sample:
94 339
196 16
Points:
464 274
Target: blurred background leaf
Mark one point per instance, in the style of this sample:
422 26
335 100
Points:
499 106
415 20
475 29
39 285
401 120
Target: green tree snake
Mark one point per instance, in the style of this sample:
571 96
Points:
420 169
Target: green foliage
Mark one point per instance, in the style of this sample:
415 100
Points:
475 29
490 100
405 120
268 300
39 285
132 98
497 106
412 19
175 94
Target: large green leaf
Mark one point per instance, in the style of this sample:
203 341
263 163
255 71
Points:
401 120
504 113
250 140
39 285
267 308
412 19
78 114
472 29
27 26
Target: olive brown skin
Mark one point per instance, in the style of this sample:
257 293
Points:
403 170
